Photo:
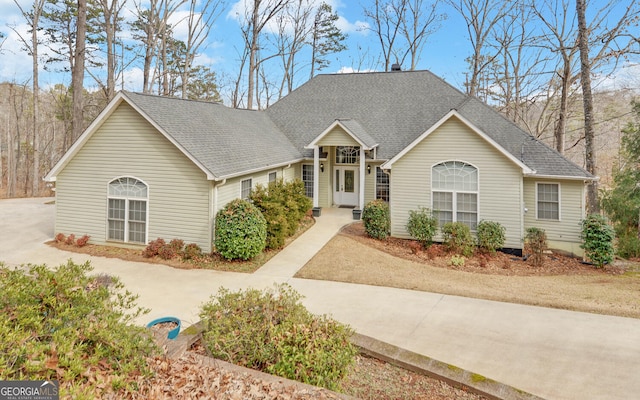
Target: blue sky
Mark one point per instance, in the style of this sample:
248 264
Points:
444 52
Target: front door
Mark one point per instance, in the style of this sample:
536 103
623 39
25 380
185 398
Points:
345 186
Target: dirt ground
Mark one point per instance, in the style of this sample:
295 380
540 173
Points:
562 282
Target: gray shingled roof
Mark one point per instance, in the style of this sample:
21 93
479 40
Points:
225 141
388 109
394 108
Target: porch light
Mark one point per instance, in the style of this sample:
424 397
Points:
369 168
322 167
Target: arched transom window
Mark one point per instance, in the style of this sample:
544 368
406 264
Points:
127 210
454 186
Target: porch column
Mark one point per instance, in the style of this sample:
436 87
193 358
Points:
363 161
316 175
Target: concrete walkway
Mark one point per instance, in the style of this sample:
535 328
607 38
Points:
554 354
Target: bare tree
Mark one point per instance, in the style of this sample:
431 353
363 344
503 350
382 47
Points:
294 27
32 18
385 21
481 16
152 28
198 27
420 20
587 96
253 22
109 20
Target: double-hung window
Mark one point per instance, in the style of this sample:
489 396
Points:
454 195
548 201
127 210
245 189
382 185
307 179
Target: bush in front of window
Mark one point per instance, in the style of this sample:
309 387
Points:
241 231
597 236
535 243
456 237
491 235
283 205
376 219
422 225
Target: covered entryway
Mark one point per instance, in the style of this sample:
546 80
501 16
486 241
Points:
340 155
346 186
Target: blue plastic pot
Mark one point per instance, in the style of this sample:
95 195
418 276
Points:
172 333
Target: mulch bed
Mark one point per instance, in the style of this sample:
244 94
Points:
495 264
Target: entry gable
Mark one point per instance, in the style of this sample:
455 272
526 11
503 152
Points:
344 132
455 114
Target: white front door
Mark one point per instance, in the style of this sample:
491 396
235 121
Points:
345 186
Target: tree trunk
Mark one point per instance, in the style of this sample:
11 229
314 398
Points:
77 78
589 133
35 189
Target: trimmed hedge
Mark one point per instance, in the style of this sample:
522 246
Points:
457 237
241 231
491 235
376 218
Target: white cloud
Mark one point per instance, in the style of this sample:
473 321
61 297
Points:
359 27
350 70
626 76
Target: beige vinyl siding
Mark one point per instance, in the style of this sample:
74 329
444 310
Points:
127 145
370 182
499 179
337 137
565 233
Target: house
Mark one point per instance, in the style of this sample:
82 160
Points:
151 166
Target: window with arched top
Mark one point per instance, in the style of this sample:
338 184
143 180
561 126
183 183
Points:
454 186
127 210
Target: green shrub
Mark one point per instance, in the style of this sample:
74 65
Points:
273 332
377 219
422 225
283 205
628 245
597 238
240 231
491 236
535 243
457 237
62 324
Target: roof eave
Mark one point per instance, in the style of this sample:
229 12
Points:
563 177
259 169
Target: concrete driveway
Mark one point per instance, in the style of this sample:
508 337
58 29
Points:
554 354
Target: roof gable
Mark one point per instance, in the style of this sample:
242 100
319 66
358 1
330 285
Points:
474 129
351 128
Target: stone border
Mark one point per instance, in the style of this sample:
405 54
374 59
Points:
451 374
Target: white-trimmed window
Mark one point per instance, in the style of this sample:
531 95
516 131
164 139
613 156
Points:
548 201
454 195
245 189
382 185
307 179
273 176
127 210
